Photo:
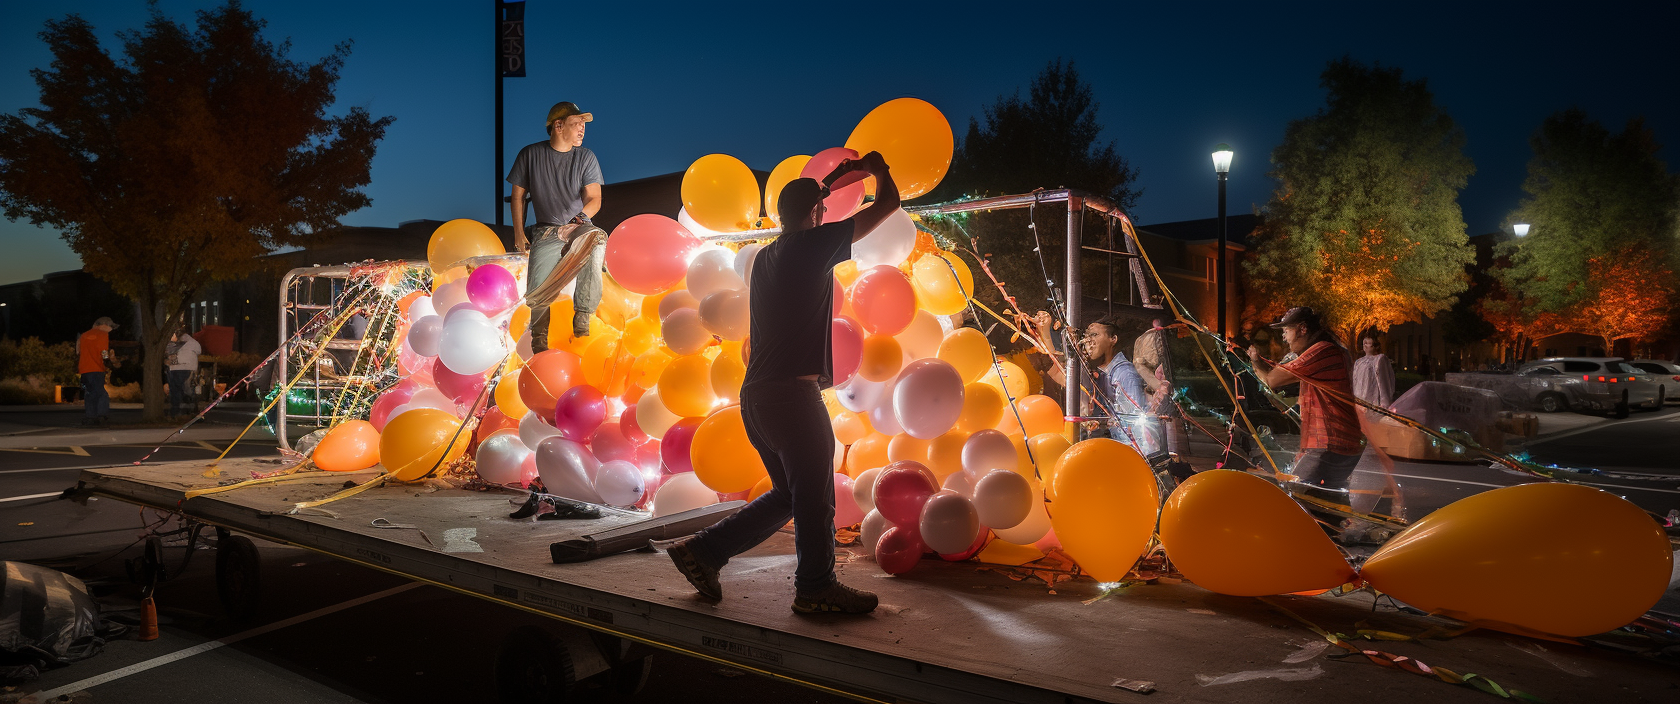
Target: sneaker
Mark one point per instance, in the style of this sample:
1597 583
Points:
835 598
704 579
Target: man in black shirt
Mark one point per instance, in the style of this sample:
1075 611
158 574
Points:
781 396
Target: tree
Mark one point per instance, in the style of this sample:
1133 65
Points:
1632 293
1591 194
185 162
1365 224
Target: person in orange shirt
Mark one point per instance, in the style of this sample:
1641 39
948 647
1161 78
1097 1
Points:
93 350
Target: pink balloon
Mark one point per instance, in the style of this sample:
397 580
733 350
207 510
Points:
846 348
1048 542
900 491
899 550
648 457
846 510
648 253
492 289
884 300
928 398
579 411
387 402
841 201
528 469
627 425
608 443
460 388
675 448
409 361
839 299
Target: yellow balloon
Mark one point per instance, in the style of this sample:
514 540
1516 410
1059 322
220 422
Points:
982 407
881 358
686 389
720 193
913 137
1006 377
1047 449
648 367
1498 558
639 334
1234 533
724 460
847 272
866 454
938 289
448 277
727 374
784 172
1105 513
904 447
944 454
967 350
460 239
850 427
507 396
419 441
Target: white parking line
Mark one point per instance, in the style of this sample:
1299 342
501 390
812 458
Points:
206 647
31 496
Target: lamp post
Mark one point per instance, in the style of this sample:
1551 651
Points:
1521 229
1222 166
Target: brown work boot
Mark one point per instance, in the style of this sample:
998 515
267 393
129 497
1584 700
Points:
580 325
539 333
704 579
835 598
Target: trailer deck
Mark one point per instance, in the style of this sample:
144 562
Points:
945 632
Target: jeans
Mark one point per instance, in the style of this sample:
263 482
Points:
178 394
1321 467
550 244
789 426
98 403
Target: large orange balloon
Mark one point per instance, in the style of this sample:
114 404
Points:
721 194
1047 449
982 407
1039 413
868 453
913 137
686 388
944 453
350 446
548 374
967 350
727 374
780 176
724 460
1503 558
882 358
1234 533
419 441
943 283
460 239
1106 507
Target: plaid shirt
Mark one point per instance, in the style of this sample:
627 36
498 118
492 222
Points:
1327 422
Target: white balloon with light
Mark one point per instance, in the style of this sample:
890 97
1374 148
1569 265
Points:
889 245
500 458
470 343
620 483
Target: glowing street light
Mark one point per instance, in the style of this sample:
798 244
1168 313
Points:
1222 166
1521 229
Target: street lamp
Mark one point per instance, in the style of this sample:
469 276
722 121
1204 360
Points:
1222 166
1521 229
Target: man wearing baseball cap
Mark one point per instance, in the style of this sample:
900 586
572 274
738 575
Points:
93 350
562 180
1331 441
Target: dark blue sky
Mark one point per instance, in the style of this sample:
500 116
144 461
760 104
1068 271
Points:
669 83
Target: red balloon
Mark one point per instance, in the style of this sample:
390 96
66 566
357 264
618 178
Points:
627 425
900 491
899 550
675 447
460 388
648 458
648 253
579 411
842 201
884 300
845 348
608 443
388 401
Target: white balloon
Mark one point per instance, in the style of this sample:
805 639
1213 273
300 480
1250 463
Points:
744 261
863 490
949 523
725 314
961 481
449 295
420 308
889 245
533 429
568 469
652 416
712 271
927 398
921 339
869 536
1036 525
430 398
684 333
681 492
987 450
423 335
470 343
859 394
679 298
693 227
500 457
620 483
881 417
1003 499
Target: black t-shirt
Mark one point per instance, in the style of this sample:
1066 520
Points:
792 304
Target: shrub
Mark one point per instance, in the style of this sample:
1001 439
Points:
25 392
29 357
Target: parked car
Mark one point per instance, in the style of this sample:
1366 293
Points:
1667 376
1607 384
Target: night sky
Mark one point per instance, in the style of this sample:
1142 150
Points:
671 83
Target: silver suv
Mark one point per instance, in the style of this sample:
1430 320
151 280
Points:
1607 384
1666 375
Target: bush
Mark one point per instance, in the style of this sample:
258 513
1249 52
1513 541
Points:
25 392
31 358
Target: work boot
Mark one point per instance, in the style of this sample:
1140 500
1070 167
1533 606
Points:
835 598
704 579
580 325
539 333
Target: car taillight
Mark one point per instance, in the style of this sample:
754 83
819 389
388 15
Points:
1677 378
1584 377
1602 378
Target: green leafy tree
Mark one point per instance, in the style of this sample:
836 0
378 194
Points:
1365 224
185 161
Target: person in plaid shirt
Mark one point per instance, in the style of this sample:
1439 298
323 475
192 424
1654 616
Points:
1331 441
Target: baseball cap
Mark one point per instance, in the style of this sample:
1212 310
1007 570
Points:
565 109
104 320
1296 316
797 199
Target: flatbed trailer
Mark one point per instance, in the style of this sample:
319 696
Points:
945 632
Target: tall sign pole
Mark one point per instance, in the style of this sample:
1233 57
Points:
510 63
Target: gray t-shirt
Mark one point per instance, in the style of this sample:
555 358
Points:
555 180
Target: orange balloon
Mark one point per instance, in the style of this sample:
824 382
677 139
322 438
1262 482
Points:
868 453
598 358
780 176
1105 513
495 420
1234 533
727 374
519 322
943 283
460 239
724 460
967 350
847 272
349 446
548 374
761 488
882 358
645 372
850 427
1039 413
944 454
419 441
686 389
721 194
913 137
1047 449
904 447
1013 379
640 333
982 407
507 395
1498 558
618 304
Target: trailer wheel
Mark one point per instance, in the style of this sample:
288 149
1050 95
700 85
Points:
533 667
238 577
628 678
1552 403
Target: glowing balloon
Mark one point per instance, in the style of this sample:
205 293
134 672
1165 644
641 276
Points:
547 375
350 446
948 522
846 350
967 350
945 283
460 239
507 395
784 172
1105 507
868 453
881 358
420 441
682 492
1039 413
913 137
859 395
723 457
711 271
883 300
533 430
841 202
673 301
921 339
944 453
579 412
888 245
652 416
720 193
567 469
420 308
744 258
447 297
1497 559
1235 533
620 483
849 427
675 449
727 374
725 314
501 457
1007 378
648 253
906 447
686 387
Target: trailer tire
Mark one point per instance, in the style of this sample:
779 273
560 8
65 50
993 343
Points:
628 678
238 577
1553 402
533 667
